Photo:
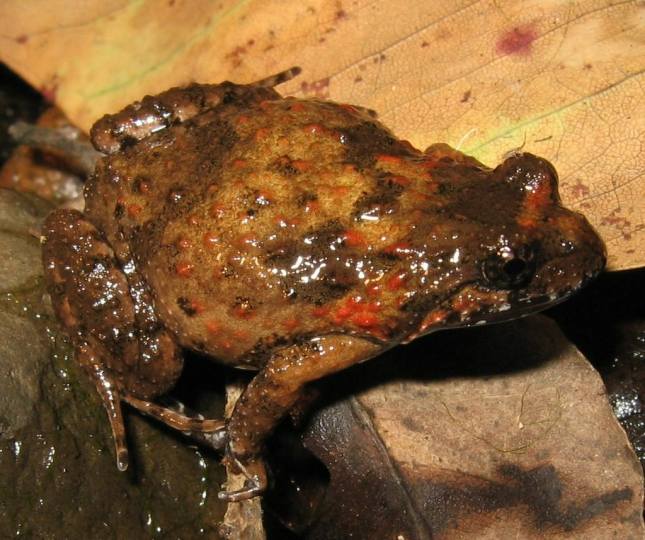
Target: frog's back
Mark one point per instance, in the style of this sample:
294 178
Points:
255 225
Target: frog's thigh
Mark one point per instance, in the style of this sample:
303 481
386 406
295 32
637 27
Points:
91 296
278 387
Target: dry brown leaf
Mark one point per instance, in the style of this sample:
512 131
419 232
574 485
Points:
505 434
560 79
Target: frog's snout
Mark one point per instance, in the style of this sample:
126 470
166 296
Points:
592 250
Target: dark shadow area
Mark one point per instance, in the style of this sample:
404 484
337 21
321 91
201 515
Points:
607 323
18 101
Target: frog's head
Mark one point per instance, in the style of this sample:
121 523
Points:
518 250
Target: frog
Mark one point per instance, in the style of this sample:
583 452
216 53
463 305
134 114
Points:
291 236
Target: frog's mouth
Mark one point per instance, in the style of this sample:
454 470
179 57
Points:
473 305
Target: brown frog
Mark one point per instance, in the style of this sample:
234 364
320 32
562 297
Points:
291 236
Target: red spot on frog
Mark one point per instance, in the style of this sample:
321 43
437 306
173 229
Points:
312 206
134 210
183 243
373 290
248 239
358 311
184 269
218 210
339 191
22 39
239 163
301 165
213 327
297 107
353 238
349 167
519 40
365 319
396 281
291 324
262 133
386 158
264 197
243 311
538 198
240 334
142 186
210 239
320 311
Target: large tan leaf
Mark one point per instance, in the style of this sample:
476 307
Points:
560 79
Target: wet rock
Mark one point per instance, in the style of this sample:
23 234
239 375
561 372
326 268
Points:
21 214
59 478
18 271
20 371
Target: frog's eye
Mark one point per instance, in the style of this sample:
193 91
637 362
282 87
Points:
509 269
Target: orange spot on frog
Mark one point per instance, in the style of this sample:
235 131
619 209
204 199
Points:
183 243
392 160
213 326
262 134
184 269
134 210
354 238
211 239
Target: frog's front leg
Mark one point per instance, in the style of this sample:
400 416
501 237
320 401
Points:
275 390
122 347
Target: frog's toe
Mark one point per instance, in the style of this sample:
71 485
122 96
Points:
254 485
122 459
181 419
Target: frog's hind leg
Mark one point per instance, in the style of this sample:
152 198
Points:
274 391
180 422
118 340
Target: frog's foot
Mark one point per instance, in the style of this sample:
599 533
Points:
256 479
111 397
181 422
